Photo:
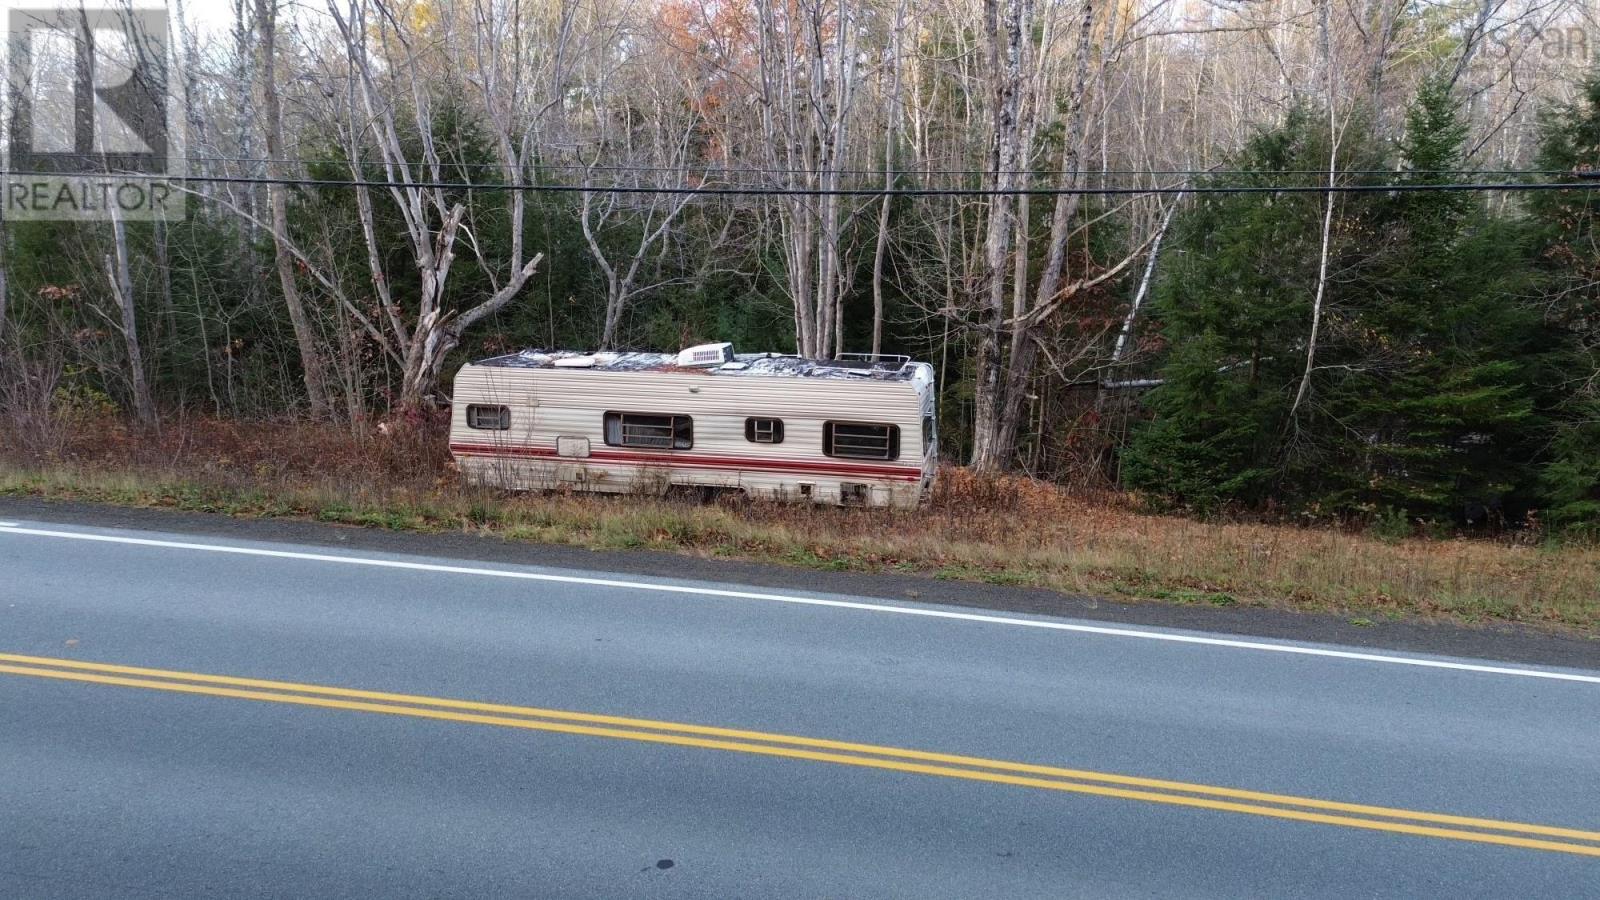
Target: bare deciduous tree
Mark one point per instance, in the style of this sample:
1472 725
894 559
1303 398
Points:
435 222
808 53
305 338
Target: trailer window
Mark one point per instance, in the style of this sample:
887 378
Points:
927 435
861 440
488 418
655 432
763 431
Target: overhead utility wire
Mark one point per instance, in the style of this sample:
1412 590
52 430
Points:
1513 187
763 170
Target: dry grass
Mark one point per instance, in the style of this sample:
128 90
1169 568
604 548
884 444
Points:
1009 531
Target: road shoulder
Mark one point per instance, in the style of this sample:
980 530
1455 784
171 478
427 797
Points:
1501 642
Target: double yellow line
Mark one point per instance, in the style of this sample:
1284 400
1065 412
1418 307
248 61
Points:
1077 781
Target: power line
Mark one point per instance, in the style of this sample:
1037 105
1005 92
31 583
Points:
879 173
1509 187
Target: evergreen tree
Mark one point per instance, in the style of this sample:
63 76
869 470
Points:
1234 301
1426 398
1421 398
1568 244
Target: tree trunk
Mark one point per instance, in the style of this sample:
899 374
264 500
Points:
1327 222
802 261
1005 49
169 311
432 220
119 273
422 377
806 72
877 269
1120 348
1322 289
1025 333
1474 37
5 285
245 129
891 114
608 333
622 276
305 338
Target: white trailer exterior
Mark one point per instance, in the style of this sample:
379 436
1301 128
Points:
851 432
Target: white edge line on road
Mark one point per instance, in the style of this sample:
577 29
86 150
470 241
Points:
812 601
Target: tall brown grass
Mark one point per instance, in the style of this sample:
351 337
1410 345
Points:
997 529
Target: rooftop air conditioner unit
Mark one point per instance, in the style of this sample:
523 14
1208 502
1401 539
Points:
706 355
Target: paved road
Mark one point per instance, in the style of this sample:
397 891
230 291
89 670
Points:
159 783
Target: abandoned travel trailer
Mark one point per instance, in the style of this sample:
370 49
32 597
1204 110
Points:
848 431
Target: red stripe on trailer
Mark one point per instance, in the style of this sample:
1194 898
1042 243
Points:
692 460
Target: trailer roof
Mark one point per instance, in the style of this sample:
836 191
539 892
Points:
744 365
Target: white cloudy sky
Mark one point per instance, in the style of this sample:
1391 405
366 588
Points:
209 15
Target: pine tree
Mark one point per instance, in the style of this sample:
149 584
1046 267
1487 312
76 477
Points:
1567 228
1428 402
1421 400
1233 302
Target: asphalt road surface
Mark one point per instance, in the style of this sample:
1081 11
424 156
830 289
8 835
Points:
194 716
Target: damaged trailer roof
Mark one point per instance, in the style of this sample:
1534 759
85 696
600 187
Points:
744 365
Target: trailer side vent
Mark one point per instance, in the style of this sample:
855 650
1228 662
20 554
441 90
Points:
853 493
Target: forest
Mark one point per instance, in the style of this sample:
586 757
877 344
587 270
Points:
1314 260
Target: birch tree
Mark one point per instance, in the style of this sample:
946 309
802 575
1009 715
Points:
1025 104
1328 202
643 135
119 276
890 71
435 224
808 54
305 337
